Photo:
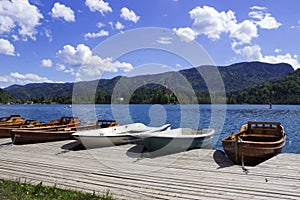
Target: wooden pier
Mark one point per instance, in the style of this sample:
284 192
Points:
128 174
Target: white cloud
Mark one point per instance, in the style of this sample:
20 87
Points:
91 66
15 37
16 77
250 52
47 63
6 48
101 33
264 20
258 8
19 14
210 22
62 68
129 15
6 24
286 58
296 26
277 50
254 53
61 11
6 79
100 25
48 34
98 5
243 32
119 26
164 40
74 56
186 34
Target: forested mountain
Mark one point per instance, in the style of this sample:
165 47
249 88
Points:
283 91
5 97
236 77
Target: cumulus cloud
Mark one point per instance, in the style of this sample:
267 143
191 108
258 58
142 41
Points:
210 22
119 25
250 52
129 15
243 32
254 53
263 19
98 5
91 66
62 68
186 34
101 33
6 48
21 16
62 11
214 24
18 78
284 58
47 63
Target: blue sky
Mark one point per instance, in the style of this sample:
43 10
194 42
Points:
60 41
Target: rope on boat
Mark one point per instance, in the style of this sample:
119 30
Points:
245 170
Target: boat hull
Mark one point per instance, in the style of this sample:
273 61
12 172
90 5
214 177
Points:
91 142
249 154
30 137
178 140
118 135
251 148
4 132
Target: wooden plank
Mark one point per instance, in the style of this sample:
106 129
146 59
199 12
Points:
187 175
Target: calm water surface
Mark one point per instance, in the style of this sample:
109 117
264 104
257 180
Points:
225 118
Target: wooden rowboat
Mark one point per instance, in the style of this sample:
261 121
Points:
36 135
255 143
36 125
12 120
5 130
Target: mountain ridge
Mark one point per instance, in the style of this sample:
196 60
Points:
236 77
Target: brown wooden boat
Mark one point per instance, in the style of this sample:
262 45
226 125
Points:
54 124
5 129
29 136
255 143
12 120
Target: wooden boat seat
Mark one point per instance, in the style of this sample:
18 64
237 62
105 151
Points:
260 138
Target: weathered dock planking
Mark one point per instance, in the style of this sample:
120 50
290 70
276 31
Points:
128 174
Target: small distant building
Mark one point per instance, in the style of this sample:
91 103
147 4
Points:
120 99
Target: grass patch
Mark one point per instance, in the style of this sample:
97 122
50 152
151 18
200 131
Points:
17 190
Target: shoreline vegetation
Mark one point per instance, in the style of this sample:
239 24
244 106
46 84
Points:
18 190
253 95
244 83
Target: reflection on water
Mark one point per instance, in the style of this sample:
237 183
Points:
191 116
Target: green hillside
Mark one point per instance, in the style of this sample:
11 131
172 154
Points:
283 91
6 97
150 88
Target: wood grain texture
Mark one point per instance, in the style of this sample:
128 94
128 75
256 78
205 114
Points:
129 174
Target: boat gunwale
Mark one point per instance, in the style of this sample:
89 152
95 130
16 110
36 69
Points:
228 139
187 136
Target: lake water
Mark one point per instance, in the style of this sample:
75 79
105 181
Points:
225 118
